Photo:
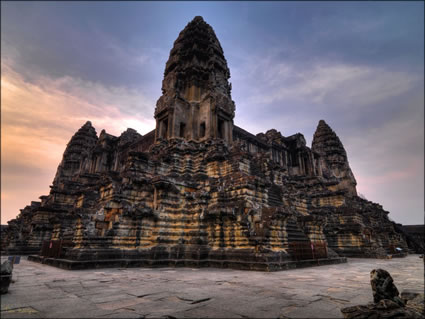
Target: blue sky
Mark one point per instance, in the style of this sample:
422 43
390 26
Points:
357 65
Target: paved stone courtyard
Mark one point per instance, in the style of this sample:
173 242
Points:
41 291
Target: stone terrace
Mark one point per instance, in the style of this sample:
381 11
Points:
41 291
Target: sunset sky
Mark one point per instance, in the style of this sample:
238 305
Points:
357 65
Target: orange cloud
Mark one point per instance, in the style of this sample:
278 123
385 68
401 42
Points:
39 118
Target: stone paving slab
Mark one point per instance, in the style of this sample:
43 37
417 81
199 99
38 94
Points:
41 291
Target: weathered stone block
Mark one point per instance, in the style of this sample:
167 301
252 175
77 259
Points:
6 276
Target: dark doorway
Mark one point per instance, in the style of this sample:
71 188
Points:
220 128
182 129
202 130
164 128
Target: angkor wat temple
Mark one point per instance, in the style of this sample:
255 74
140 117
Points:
200 191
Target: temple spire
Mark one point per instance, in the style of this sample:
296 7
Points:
196 102
333 157
326 142
76 151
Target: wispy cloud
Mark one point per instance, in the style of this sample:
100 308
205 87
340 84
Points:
39 118
334 84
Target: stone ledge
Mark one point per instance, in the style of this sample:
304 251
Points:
232 264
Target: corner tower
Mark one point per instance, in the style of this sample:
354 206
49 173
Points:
333 158
196 103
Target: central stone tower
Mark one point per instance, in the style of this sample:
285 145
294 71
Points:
196 103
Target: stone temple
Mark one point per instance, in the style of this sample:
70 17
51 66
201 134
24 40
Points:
200 191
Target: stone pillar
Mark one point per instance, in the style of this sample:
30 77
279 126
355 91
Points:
157 129
171 128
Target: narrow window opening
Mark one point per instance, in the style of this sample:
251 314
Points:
202 130
294 159
164 128
306 166
182 129
220 128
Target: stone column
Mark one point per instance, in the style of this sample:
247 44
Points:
171 132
